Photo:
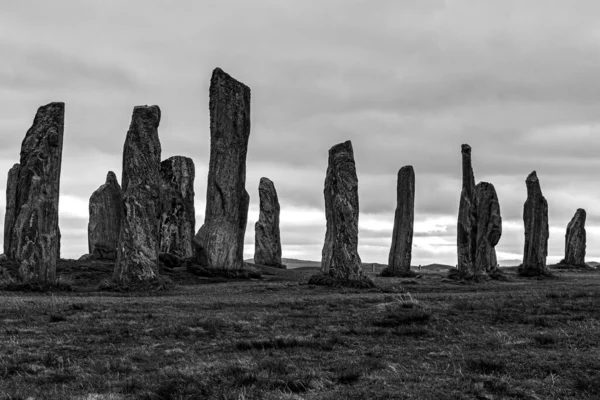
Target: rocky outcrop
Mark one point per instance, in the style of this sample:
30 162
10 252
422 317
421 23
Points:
575 240
106 213
267 242
34 240
535 218
178 219
219 243
402 236
340 257
489 228
467 220
137 252
11 209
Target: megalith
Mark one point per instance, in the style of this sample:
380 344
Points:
535 218
489 228
402 236
178 219
106 213
219 242
137 251
467 219
11 209
340 257
267 241
575 239
34 187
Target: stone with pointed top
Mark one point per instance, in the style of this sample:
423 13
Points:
575 239
402 236
34 187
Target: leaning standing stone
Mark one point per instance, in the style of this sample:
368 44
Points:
575 240
489 228
340 257
402 237
106 213
219 243
178 219
35 238
535 218
267 242
137 252
467 219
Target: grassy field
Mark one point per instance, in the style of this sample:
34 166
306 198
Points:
278 338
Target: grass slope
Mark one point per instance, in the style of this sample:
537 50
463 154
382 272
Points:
278 338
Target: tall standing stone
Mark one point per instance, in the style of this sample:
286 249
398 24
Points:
11 209
535 218
178 219
106 213
575 239
34 238
267 241
402 237
489 227
467 220
137 252
219 243
340 257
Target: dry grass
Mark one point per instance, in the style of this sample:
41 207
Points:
279 338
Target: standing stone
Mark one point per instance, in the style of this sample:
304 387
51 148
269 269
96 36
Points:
11 210
467 220
178 219
340 257
267 242
401 250
489 228
106 213
535 218
34 240
219 243
575 239
137 252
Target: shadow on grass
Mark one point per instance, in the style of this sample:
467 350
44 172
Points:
326 280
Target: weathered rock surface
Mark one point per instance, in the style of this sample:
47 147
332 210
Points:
106 213
402 236
219 243
34 240
11 209
137 252
267 240
535 218
467 221
575 239
489 227
340 257
178 219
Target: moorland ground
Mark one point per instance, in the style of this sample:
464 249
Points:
279 338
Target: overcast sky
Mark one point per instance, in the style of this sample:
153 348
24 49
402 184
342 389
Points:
407 81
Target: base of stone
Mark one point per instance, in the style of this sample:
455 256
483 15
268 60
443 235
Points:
534 273
248 272
399 274
563 265
326 280
158 284
456 275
